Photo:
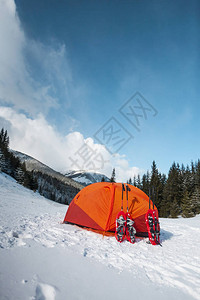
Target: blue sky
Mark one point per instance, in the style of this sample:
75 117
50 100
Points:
94 55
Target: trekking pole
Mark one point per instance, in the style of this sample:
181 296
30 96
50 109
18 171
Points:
127 190
153 195
130 229
120 230
123 190
149 198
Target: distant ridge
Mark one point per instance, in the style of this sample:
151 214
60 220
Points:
85 177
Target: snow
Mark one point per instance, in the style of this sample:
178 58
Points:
41 258
83 180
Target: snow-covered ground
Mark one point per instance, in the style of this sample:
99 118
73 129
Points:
41 258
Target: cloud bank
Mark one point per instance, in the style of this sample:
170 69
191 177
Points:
37 138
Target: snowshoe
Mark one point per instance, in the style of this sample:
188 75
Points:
130 229
149 218
152 222
157 228
120 231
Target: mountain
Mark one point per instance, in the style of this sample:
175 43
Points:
51 184
42 258
86 178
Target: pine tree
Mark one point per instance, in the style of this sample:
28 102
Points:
138 180
5 154
1 137
192 178
2 162
130 181
187 206
156 183
154 174
173 188
188 181
195 201
161 202
148 179
134 181
19 175
197 174
4 139
103 179
29 181
112 179
164 208
145 184
174 209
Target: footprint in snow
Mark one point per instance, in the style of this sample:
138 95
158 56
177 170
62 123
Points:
45 292
24 281
85 252
15 234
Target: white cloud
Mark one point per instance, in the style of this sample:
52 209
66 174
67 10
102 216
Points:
39 139
20 87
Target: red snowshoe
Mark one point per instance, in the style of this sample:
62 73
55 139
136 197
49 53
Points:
157 227
149 218
130 229
153 227
120 231
152 222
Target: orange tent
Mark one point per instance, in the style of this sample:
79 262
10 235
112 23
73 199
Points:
97 205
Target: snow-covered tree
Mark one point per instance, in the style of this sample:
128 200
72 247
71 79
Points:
2 161
4 139
20 175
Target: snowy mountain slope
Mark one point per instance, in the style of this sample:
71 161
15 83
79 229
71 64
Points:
33 164
41 258
51 184
77 179
86 178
